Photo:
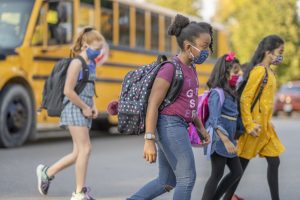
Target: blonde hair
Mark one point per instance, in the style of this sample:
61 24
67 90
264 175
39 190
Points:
87 35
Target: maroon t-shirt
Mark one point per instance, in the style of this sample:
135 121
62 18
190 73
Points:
186 103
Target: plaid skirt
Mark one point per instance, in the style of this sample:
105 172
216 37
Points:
73 116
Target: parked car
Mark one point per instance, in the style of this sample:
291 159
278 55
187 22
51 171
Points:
288 98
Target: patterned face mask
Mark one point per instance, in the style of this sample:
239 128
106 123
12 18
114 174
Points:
278 60
203 55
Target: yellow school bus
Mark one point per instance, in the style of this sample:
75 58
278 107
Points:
34 34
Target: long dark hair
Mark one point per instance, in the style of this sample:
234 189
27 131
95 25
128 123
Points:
220 76
183 29
269 43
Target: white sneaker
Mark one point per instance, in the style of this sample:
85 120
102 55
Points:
83 195
43 179
78 196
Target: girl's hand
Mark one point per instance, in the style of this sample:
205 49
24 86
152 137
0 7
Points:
150 152
256 130
204 134
95 112
87 112
230 147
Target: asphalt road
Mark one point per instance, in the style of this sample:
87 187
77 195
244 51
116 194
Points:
117 169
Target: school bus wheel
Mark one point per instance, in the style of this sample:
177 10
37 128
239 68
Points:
16 115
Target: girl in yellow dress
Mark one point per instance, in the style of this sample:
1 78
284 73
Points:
260 137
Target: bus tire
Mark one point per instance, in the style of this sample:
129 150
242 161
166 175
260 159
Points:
17 116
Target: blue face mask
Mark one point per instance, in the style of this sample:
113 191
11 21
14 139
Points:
277 60
92 54
203 55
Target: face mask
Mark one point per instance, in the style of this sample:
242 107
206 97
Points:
277 60
233 80
92 54
203 55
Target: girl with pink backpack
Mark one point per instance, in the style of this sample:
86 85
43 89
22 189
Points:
222 124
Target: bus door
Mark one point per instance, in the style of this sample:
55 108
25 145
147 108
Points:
51 41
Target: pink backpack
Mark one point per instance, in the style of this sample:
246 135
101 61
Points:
203 114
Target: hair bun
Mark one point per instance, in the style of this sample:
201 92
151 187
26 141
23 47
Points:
178 24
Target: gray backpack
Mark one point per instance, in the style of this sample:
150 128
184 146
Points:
136 89
53 93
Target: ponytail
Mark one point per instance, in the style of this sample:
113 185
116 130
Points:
88 35
76 48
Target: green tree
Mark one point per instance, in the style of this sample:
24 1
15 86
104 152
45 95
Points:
190 7
248 21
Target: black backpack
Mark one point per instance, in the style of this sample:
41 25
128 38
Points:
240 92
53 92
136 89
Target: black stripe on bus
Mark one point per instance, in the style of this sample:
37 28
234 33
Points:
40 77
109 80
139 50
44 58
114 64
103 80
106 64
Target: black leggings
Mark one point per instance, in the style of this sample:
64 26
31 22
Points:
272 174
213 190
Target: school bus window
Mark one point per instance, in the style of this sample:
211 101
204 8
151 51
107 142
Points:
124 25
168 21
154 31
140 28
86 13
107 19
91 2
59 19
14 16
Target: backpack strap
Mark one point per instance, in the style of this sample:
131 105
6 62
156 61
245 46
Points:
175 87
221 95
262 86
85 76
85 79
161 58
85 69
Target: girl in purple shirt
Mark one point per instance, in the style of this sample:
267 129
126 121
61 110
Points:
168 128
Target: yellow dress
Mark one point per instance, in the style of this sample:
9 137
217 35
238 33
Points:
267 143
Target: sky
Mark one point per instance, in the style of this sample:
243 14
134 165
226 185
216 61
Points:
208 9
